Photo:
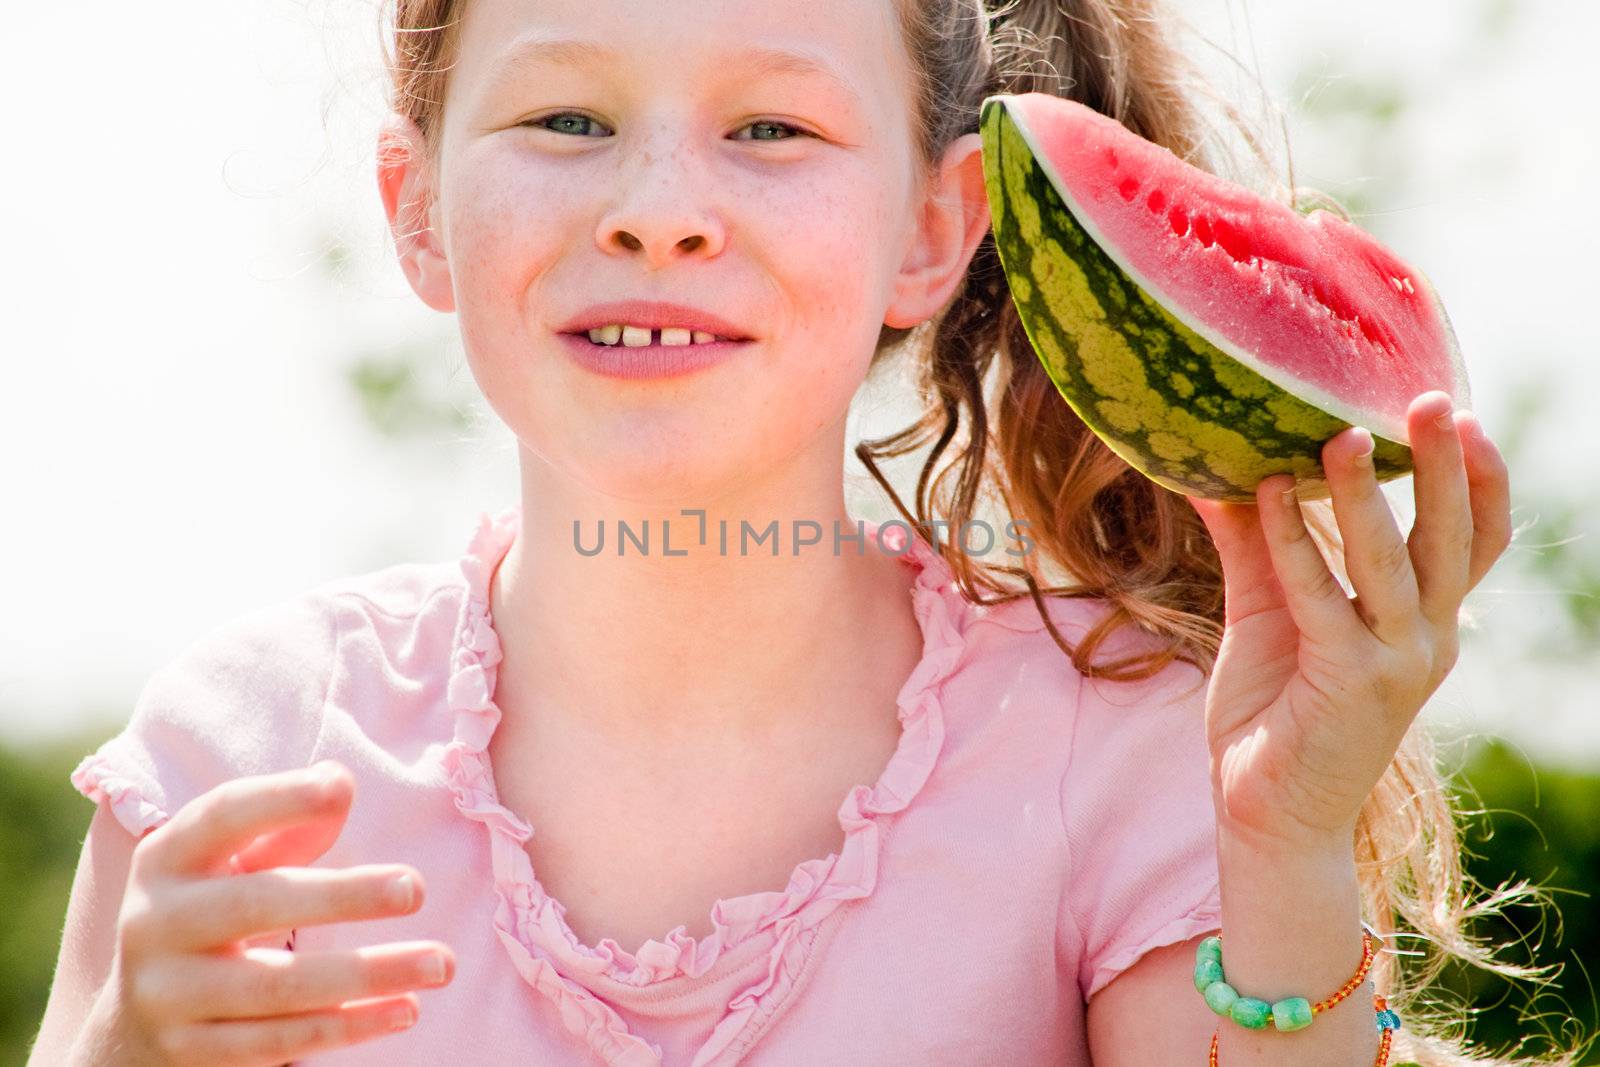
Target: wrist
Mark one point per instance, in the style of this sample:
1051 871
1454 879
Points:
1305 882
1288 845
1291 927
1291 912
103 1039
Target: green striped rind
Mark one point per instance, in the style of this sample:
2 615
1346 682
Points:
1173 405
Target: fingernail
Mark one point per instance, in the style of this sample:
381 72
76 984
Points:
1290 497
1364 436
1474 427
433 968
400 1016
403 891
1445 420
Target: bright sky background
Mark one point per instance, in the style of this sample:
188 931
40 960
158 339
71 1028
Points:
179 446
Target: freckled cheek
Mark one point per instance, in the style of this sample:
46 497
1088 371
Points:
505 239
506 231
828 244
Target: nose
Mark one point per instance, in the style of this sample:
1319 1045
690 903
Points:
663 214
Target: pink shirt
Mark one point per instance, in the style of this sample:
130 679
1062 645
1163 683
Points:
1033 834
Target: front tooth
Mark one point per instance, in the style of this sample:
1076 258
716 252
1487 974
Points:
635 337
605 335
703 338
674 335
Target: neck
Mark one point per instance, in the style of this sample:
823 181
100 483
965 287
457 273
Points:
724 639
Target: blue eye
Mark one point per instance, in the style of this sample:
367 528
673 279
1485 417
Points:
778 125
540 123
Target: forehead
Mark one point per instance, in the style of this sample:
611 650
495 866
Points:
852 46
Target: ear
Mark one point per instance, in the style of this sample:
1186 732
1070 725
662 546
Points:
405 182
952 221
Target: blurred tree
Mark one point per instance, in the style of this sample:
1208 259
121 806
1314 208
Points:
388 387
1538 824
41 830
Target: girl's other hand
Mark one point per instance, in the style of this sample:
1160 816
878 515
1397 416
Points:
188 986
1313 690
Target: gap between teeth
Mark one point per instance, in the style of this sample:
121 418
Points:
638 337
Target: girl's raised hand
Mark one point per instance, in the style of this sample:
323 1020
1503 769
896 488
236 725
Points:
1313 690
188 987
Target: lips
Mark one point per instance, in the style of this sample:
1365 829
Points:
654 361
654 315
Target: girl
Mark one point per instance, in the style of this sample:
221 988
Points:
756 782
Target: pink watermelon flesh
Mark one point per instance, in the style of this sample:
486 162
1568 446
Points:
1311 303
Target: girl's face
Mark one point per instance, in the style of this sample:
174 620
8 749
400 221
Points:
752 159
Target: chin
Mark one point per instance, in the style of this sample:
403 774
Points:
661 478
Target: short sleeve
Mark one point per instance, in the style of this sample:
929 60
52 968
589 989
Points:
245 698
1141 828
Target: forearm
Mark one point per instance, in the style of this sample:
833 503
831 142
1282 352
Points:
1291 926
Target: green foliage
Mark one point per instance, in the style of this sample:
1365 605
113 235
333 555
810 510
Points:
1568 564
393 400
42 824
1539 825
1376 102
1536 824
1558 553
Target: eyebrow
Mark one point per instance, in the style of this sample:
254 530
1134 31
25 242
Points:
757 59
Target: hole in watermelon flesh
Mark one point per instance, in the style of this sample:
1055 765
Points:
1178 219
1202 230
1128 188
1231 241
1158 200
1324 296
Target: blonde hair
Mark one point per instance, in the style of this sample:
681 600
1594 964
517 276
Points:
1123 539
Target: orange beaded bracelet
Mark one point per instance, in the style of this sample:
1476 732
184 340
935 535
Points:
1378 1004
1387 1021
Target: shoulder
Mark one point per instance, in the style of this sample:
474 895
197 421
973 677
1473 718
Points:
1017 686
1133 786
293 642
248 695
243 697
244 668
1130 769
398 630
1012 641
401 590
1120 730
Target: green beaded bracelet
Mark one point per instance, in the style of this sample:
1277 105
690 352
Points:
1288 1014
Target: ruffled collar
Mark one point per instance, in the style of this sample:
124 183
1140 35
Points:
531 924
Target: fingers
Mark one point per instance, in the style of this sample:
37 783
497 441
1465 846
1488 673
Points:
270 1042
210 883
298 845
1441 539
1376 555
1242 546
266 982
214 912
1489 492
1317 602
204 833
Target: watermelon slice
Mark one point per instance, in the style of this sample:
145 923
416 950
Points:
1209 336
